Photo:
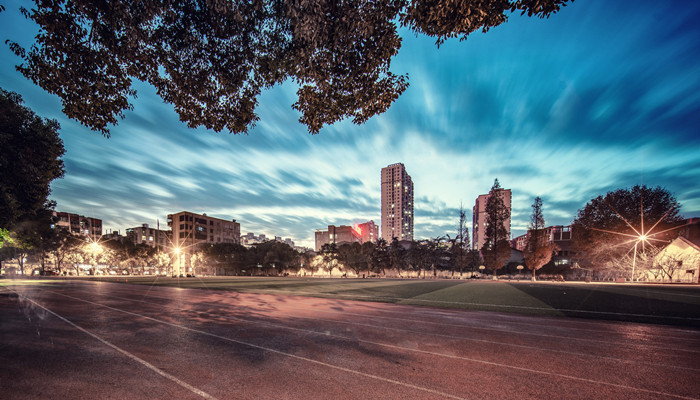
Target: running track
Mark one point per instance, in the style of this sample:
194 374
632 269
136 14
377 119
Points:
92 340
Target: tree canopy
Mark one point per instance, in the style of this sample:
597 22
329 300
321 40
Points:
30 158
539 248
606 228
212 59
496 248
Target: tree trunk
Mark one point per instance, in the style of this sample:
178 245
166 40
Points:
534 278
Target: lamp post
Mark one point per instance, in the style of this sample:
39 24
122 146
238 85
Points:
640 239
94 249
176 250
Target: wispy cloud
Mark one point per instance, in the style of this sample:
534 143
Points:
600 96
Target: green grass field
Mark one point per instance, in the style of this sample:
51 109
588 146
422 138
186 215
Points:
663 304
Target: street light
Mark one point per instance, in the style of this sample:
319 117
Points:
642 238
176 250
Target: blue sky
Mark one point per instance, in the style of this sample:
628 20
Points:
601 96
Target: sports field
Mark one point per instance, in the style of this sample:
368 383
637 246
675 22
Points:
87 339
664 304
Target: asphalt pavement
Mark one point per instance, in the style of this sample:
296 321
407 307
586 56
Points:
99 340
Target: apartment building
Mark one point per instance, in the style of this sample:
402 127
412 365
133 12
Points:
87 227
397 203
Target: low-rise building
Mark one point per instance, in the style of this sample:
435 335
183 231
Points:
557 234
191 231
76 224
144 234
677 262
336 234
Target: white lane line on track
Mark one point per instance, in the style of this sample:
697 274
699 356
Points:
126 353
534 348
491 363
271 350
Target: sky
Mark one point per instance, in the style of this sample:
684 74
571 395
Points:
601 96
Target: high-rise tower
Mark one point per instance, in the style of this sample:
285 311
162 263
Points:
397 203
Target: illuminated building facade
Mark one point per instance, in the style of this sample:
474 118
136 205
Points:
190 230
479 216
397 203
369 232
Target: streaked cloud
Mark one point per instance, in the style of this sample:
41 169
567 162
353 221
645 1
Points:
601 96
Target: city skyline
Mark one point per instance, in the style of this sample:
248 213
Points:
600 96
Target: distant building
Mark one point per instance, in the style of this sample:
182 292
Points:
361 233
250 239
557 234
397 203
153 237
691 230
479 216
190 231
336 234
113 236
87 227
369 232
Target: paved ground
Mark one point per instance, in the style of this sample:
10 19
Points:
87 340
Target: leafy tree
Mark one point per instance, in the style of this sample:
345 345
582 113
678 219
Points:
32 236
329 252
667 264
307 262
436 256
496 248
538 250
64 243
5 237
276 256
380 257
198 262
461 244
230 257
608 227
396 256
368 251
30 158
352 257
211 60
75 258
